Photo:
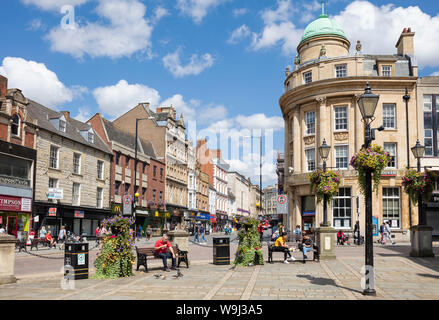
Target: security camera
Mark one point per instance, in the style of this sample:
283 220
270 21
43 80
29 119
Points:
291 169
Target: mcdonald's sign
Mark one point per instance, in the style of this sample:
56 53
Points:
116 208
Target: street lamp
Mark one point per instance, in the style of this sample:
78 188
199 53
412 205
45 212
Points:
324 153
418 151
367 104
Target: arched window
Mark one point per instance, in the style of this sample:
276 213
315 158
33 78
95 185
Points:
15 127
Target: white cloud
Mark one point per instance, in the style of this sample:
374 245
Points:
53 4
197 9
83 115
379 29
124 35
36 81
194 67
211 113
35 25
160 13
260 121
115 100
181 106
240 12
239 34
435 74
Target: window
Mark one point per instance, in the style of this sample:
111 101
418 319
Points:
62 125
386 71
76 194
341 71
143 167
15 126
100 170
54 157
307 77
341 118
127 188
144 193
342 208
310 122
91 137
161 173
117 158
117 188
389 116
154 194
53 183
127 161
341 157
391 149
99 197
391 206
15 167
310 159
428 125
155 171
76 163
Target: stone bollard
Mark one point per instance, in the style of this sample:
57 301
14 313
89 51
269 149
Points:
179 238
7 258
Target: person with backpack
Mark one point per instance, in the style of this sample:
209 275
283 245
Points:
275 235
387 234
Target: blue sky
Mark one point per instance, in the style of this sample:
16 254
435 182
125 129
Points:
219 62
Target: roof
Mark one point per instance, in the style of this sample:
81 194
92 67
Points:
323 26
42 114
126 139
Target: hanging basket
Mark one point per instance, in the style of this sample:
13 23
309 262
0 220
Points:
419 184
324 183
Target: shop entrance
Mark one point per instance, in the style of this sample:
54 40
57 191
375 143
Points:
308 213
12 225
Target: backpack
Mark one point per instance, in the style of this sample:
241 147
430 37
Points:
382 229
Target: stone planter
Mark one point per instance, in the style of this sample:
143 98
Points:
179 238
7 259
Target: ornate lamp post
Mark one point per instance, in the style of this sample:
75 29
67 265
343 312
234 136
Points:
324 153
367 104
421 235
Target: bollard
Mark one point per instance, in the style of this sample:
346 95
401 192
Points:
7 259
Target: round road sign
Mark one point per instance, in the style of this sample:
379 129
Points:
281 199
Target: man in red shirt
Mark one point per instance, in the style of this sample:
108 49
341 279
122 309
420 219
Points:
161 249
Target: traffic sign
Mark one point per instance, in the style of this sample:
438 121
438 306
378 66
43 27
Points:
281 199
282 204
127 205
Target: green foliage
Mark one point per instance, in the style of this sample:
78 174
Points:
116 258
249 246
374 159
418 183
324 183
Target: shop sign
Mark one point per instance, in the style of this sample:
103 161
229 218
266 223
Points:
55 193
52 212
15 204
203 216
79 214
156 213
37 219
167 215
116 208
14 181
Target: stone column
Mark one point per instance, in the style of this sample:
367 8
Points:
326 240
297 165
359 129
7 259
421 241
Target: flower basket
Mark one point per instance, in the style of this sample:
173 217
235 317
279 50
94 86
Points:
419 184
249 249
324 183
374 159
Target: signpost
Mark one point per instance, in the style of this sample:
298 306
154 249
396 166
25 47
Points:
282 204
127 205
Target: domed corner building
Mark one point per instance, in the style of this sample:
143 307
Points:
320 102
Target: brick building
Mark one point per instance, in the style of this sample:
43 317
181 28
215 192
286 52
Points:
151 174
17 161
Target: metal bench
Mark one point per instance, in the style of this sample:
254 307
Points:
143 254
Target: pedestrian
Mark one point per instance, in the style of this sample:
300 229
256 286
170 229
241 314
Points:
387 234
161 249
2 229
97 231
298 233
307 245
148 232
202 232
357 232
275 235
261 231
62 237
42 233
281 245
49 240
341 238
138 232
196 236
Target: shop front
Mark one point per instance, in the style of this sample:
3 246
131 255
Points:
204 218
308 213
432 212
221 221
79 220
15 215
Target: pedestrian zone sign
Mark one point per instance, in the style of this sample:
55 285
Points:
282 204
126 205
281 199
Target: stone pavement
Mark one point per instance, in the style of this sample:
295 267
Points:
397 277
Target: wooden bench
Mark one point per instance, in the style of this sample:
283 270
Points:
143 254
34 243
271 247
315 251
20 245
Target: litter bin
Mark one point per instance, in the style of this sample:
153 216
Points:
221 250
76 256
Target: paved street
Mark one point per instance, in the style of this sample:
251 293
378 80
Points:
397 277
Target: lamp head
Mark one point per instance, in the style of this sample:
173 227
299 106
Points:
367 103
324 150
418 150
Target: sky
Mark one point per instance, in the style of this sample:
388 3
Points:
220 63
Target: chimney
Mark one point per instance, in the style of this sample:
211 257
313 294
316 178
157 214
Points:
66 115
3 86
405 44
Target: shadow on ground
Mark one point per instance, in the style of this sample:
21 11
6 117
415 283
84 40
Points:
325 282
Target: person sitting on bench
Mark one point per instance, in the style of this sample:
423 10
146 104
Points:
282 246
49 240
307 246
161 250
341 238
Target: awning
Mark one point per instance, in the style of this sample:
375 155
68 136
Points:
203 216
142 213
212 218
309 213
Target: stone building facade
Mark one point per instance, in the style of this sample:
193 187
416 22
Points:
17 161
239 199
73 170
320 102
270 201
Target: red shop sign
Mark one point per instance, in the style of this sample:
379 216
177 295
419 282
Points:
15 204
52 212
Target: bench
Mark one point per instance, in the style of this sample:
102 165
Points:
143 254
271 247
315 251
20 245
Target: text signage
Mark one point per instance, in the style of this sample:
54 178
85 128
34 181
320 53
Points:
55 193
52 212
14 181
282 204
15 204
79 214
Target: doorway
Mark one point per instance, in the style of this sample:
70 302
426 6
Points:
12 225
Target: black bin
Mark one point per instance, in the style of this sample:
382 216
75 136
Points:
221 250
76 256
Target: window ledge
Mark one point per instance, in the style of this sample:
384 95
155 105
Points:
390 129
55 169
77 174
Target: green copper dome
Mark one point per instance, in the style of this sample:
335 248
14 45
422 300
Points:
323 26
